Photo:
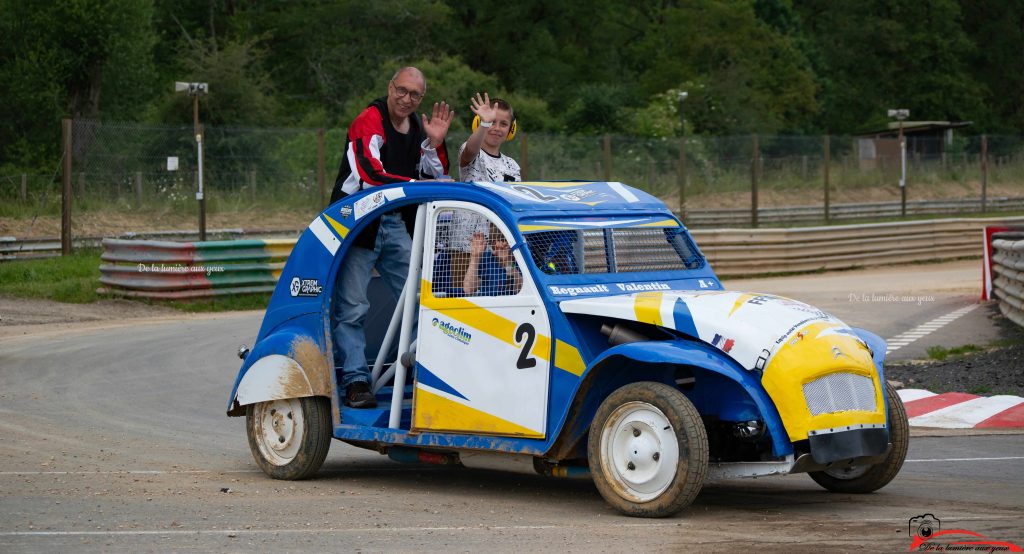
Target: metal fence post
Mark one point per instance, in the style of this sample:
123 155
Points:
607 151
65 198
984 171
321 174
24 187
524 160
681 177
827 149
755 163
138 188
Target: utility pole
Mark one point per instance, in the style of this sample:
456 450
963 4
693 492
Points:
195 90
900 115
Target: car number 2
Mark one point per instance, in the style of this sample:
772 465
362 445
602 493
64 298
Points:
526 332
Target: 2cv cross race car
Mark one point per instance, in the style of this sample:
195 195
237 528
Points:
601 343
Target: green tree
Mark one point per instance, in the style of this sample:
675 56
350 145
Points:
880 54
747 75
240 87
996 30
69 58
326 54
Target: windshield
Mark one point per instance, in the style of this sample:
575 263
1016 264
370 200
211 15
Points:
561 247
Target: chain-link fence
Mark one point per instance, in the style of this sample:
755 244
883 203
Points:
137 177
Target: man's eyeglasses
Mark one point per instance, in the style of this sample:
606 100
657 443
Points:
402 92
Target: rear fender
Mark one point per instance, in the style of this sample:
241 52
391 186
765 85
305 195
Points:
286 364
724 388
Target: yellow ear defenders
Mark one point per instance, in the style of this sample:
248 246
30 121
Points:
511 130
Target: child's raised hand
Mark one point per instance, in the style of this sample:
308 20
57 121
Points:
483 108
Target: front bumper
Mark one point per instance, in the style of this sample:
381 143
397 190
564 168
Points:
858 441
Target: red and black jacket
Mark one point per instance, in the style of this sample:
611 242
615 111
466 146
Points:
377 154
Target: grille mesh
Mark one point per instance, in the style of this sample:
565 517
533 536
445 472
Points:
840 392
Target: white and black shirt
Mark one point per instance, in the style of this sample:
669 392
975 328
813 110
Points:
488 168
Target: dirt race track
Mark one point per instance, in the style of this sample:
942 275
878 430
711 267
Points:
115 439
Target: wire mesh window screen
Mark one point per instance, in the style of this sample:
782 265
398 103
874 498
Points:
593 251
472 257
650 250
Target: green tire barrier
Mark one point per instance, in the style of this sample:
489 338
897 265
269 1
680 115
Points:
186 270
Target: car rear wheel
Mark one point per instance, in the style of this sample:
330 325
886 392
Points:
869 478
289 438
648 450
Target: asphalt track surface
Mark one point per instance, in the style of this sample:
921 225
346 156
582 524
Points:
115 439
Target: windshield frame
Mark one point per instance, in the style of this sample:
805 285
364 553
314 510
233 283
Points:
694 266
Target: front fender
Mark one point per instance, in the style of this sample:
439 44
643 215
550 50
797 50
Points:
878 348
286 364
877 345
648 360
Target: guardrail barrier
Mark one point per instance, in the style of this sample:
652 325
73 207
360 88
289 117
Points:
1007 276
707 217
12 248
748 252
169 270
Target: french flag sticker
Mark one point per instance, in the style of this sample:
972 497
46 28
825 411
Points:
725 345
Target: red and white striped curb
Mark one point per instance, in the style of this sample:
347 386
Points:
958 410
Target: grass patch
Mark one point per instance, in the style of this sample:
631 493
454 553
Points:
981 389
1005 343
72 279
941 353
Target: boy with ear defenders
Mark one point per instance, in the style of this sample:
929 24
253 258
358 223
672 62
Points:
480 157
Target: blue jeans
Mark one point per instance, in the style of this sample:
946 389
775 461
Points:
390 255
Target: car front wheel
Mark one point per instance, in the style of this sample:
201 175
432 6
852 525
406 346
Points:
869 478
648 450
289 438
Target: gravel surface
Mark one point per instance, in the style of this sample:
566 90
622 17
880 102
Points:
34 311
999 369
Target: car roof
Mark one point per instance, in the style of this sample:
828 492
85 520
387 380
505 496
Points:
571 196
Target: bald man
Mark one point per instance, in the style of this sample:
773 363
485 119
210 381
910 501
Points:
387 143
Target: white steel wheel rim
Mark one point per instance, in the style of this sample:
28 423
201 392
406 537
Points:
279 427
639 451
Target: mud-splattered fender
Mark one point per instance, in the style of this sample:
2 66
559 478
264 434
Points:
288 364
663 354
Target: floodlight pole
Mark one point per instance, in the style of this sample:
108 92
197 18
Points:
199 153
903 172
900 115
682 156
195 90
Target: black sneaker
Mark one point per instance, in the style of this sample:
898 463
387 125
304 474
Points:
358 395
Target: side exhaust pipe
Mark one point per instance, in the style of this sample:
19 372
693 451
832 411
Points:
620 334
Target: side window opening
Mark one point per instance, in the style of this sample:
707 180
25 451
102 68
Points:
472 257
612 250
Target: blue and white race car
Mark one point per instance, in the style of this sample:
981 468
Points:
602 344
